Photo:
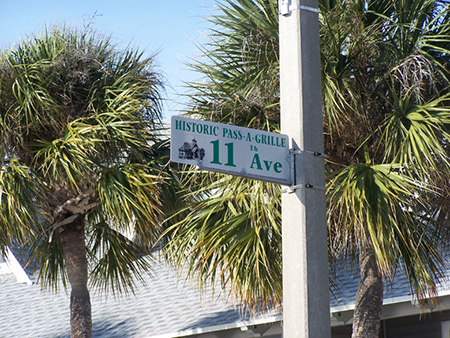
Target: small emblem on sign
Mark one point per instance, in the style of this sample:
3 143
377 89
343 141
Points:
191 151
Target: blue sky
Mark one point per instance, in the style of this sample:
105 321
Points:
171 26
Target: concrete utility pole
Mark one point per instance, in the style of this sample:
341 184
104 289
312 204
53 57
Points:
306 309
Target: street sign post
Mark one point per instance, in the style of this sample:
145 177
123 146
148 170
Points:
306 303
230 149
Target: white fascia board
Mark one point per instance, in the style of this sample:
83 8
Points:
215 328
16 268
394 307
388 302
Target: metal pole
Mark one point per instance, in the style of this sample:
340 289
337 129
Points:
306 309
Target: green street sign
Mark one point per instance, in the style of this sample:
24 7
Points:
230 149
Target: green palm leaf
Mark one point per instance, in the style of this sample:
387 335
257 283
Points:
80 142
233 237
380 205
385 82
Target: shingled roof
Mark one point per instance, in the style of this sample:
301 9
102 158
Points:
167 306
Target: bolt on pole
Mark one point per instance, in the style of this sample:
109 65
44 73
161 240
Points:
306 308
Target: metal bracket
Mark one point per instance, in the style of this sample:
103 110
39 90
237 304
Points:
292 188
299 152
295 186
285 8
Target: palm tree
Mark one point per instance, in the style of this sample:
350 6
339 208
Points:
233 235
386 113
79 161
385 84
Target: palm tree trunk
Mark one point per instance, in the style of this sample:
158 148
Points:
369 298
74 248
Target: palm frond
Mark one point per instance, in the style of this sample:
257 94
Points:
416 134
382 206
129 195
18 204
232 236
240 66
117 262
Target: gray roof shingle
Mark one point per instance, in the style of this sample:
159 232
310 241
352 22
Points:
397 290
165 305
